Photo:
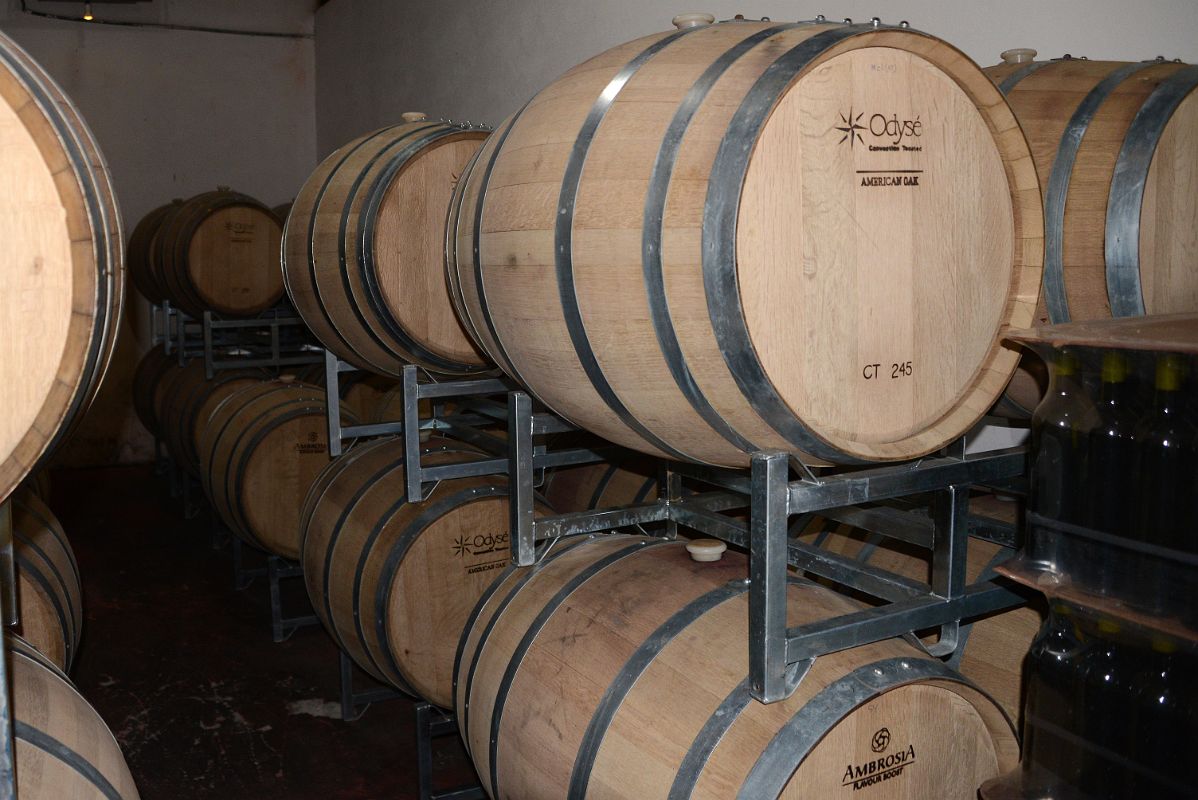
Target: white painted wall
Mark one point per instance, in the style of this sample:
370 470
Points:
177 113
481 59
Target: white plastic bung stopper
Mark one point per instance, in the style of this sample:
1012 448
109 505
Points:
706 549
1018 55
692 19
413 116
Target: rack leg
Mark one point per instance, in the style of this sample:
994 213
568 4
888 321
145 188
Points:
520 479
354 704
8 611
413 473
431 722
283 627
767 571
242 577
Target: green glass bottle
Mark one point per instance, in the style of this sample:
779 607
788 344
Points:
1103 705
1051 759
1111 457
1165 480
1164 717
1060 429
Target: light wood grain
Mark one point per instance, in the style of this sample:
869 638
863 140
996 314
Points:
959 736
219 251
261 448
49 596
354 523
45 700
835 274
1044 102
364 250
62 265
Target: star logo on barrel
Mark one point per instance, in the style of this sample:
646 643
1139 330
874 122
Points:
851 126
881 740
461 547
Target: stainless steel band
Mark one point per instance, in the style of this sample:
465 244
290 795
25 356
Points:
638 545
564 238
794 742
1057 191
652 227
720 217
631 672
1124 290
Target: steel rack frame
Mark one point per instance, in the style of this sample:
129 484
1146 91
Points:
478 407
779 655
11 618
275 569
354 703
275 338
432 723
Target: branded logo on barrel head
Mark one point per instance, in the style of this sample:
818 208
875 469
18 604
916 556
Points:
881 769
312 436
491 546
850 128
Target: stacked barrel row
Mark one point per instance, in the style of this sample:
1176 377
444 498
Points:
663 248
62 299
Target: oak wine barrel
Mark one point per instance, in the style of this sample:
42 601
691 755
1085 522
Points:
1114 144
62 265
363 253
618 669
139 256
394 582
363 392
749 236
607 484
150 371
187 401
62 747
217 251
991 649
260 450
49 590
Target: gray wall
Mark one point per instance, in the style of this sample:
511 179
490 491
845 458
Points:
481 59
177 113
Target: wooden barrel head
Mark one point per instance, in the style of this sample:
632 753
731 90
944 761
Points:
232 259
410 248
863 290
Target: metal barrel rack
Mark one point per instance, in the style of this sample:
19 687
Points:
11 617
779 655
275 339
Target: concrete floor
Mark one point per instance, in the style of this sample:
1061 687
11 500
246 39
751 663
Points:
183 669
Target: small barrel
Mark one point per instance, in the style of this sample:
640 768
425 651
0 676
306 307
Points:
1114 146
364 249
48 586
218 251
991 649
394 581
62 263
749 237
62 747
618 668
260 450
150 371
